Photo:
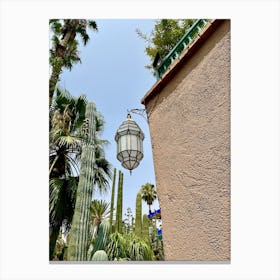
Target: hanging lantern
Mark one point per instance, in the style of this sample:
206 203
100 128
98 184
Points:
129 138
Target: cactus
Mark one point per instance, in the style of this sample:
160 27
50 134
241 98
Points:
78 240
138 215
117 246
145 226
102 237
118 227
112 201
121 205
139 250
100 255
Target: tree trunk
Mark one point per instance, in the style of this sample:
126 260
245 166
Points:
54 232
70 33
79 233
56 70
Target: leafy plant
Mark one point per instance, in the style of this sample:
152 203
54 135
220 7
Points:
139 250
99 211
117 247
165 35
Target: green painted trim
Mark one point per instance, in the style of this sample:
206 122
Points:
179 47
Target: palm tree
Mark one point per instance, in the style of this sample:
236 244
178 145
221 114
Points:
67 116
149 194
99 210
64 49
61 207
103 169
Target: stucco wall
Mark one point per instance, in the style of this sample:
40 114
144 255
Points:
190 132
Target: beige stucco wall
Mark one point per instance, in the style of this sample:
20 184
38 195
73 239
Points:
190 131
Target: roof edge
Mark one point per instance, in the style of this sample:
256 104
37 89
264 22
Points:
174 67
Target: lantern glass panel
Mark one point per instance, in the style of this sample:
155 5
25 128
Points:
123 143
133 143
133 154
119 146
141 146
125 154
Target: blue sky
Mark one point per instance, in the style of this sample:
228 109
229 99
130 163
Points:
113 75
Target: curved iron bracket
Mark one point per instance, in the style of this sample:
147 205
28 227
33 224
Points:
141 112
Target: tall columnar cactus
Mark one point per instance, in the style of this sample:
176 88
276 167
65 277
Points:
102 237
78 239
145 226
121 207
138 215
118 227
112 199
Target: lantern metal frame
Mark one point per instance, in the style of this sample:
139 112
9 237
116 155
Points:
129 148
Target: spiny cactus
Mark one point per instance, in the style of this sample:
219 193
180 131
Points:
138 215
78 241
112 200
100 255
145 227
139 250
118 227
117 246
102 237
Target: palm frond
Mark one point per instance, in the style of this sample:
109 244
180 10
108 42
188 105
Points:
56 26
92 25
148 193
55 187
99 122
73 164
63 98
99 210
80 111
82 31
62 200
68 141
55 40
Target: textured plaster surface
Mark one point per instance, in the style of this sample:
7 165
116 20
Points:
190 131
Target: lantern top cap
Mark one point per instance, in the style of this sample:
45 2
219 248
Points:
129 126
